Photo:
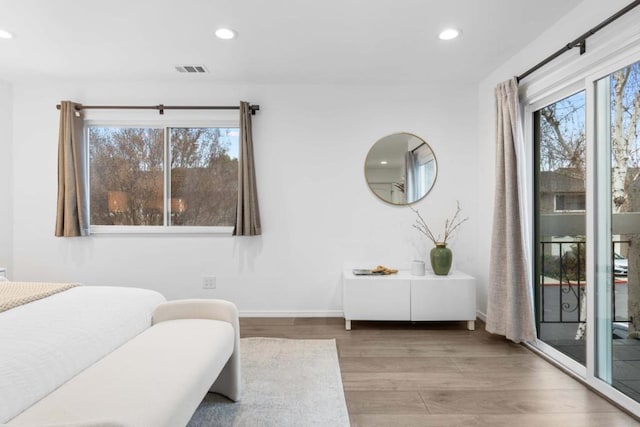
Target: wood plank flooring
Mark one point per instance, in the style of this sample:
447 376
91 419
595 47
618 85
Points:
440 374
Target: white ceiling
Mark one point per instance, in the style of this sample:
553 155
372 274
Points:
280 41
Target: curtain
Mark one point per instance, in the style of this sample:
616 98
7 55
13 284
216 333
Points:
509 304
411 168
247 213
72 214
425 174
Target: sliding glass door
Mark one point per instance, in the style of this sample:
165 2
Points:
617 255
586 234
560 205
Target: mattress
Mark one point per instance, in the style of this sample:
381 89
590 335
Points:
45 343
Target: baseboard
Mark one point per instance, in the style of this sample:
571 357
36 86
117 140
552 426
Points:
311 313
278 313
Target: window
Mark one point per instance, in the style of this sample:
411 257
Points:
559 148
570 202
163 177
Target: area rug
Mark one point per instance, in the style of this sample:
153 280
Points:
284 383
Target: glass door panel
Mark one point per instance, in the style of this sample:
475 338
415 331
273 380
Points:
618 230
560 227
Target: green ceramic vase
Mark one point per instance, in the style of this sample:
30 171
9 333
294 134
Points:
441 258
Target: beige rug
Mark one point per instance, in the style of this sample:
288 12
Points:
284 383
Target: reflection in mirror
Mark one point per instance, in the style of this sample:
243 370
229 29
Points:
400 168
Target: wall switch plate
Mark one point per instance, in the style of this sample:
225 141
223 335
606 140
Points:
209 282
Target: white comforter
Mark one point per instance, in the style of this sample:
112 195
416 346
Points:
45 343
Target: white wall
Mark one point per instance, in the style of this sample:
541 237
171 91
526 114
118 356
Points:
6 222
584 17
318 214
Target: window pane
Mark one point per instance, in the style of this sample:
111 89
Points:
560 225
618 233
568 202
204 176
126 176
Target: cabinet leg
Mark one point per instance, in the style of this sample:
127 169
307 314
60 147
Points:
471 325
347 324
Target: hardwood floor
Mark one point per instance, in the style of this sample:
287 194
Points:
440 374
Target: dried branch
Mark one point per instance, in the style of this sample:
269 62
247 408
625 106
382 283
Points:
422 226
450 225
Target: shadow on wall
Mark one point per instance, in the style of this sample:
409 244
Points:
246 249
76 251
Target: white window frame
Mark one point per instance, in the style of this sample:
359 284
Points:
530 108
155 229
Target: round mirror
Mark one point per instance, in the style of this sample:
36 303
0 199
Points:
400 168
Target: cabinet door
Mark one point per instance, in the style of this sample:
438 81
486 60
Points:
377 298
443 298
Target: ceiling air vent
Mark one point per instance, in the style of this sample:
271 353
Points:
192 69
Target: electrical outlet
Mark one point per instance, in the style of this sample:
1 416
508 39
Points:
209 282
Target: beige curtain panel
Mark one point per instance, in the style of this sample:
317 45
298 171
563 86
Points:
72 215
509 305
248 213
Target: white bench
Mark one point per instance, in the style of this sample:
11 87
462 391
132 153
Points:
156 379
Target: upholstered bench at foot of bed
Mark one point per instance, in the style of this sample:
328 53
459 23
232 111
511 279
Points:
157 378
228 382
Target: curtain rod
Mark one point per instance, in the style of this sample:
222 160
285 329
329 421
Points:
580 41
424 143
162 107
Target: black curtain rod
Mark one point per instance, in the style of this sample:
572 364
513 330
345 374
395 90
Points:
162 107
580 41
424 143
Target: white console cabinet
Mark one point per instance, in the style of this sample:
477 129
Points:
402 296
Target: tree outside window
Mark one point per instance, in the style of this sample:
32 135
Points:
174 176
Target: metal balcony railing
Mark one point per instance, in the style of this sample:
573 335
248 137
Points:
562 281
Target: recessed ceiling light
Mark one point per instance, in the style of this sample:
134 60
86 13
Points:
225 33
384 162
5 34
449 34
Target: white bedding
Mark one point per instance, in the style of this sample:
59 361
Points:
46 342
